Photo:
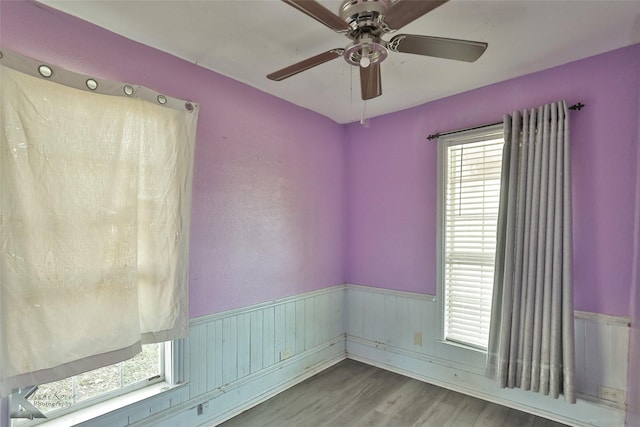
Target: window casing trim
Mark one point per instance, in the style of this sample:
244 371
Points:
444 142
173 366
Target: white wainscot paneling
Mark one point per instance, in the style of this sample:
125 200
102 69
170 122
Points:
399 331
236 359
602 352
240 358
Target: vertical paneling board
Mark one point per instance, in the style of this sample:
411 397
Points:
217 356
324 312
310 326
244 342
300 326
602 349
256 343
337 319
269 341
290 326
354 313
389 327
210 352
582 378
204 363
279 331
594 347
618 356
229 351
402 317
197 360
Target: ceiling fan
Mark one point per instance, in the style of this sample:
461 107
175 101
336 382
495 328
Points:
364 22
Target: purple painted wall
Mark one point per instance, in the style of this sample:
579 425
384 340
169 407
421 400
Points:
633 385
391 178
268 212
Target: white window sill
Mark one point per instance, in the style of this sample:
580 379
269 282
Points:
462 346
111 405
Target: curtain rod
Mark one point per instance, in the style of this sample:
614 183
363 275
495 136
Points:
575 107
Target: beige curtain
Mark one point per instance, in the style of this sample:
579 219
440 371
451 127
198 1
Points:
531 339
95 185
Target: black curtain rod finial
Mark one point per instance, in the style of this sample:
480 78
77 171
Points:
433 136
579 106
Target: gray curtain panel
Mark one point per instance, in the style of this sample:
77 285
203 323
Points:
531 338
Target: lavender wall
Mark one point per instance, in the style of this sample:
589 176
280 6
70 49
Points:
391 177
268 211
633 386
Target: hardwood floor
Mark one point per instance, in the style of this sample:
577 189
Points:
355 394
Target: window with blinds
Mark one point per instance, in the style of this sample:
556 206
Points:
470 192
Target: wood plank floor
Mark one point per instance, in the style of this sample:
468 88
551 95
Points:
355 394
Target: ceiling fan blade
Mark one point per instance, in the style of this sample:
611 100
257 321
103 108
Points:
461 50
301 66
320 14
370 83
404 11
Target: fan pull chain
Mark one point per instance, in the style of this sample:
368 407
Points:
351 90
363 119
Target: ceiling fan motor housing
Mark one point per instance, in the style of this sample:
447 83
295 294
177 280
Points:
365 14
366 19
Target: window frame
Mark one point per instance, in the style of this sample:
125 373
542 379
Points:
173 354
172 359
164 118
479 134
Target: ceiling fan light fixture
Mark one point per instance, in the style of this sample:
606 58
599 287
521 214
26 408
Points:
366 50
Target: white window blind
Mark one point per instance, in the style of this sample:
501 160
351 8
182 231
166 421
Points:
470 212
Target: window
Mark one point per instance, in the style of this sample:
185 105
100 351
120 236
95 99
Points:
469 169
71 394
95 178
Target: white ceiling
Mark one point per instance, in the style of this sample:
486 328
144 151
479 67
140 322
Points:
248 39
